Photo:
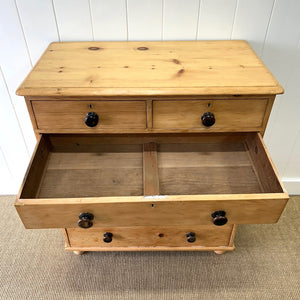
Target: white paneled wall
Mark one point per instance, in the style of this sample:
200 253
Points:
27 26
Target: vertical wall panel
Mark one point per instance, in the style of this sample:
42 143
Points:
73 20
109 20
280 49
282 56
282 38
144 19
15 64
7 182
286 123
293 165
180 19
39 25
251 22
11 139
216 19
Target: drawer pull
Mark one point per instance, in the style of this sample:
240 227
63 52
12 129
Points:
91 119
208 119
219 218
107 237
85 220
191 237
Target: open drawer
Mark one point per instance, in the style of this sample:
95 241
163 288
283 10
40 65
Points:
150 180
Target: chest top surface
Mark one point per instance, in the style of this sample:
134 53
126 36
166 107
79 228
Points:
149 69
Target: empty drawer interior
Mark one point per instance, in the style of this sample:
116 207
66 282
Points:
69 166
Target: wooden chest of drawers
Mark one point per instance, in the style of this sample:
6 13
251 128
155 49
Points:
150 145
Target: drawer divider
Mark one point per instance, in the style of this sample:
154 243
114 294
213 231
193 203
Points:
150 169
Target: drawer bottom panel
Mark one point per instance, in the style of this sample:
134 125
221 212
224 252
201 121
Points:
148 238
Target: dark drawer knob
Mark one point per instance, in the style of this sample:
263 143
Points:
107 237
208 119
191 237
219 218
91 119
85 220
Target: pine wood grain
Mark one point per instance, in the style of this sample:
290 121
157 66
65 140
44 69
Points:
150 169
149 68
228 180
231 115
145 236
185 210
71 115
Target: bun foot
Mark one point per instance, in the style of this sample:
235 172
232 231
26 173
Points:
219 252
78 252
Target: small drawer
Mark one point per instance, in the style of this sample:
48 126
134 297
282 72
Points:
210 115
158 238
89 116
150 180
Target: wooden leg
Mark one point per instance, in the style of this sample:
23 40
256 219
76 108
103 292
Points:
219 252
78 252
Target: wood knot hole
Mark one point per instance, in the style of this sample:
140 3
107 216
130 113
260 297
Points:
94 48
143 48
161 235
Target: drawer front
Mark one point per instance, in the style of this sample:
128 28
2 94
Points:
228 115
145 236
230 180
56 116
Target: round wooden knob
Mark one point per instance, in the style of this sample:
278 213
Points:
91 119
191 237
107 237
219 218
85 220
208 119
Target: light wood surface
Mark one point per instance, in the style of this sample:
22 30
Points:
230 115
147 176
149 68
36 168
165 115
267 173
219 252
150 170
71 114
116 170
184 210
219 168
145 236
32 117
78 252
158 248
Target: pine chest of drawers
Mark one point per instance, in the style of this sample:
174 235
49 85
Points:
150 145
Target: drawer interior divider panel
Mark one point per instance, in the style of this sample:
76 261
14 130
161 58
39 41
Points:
142 180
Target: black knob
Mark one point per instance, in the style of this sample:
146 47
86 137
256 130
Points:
191 237
219 218
107 237
208 119
85 220
91 119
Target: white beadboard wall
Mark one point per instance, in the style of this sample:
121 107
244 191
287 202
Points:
27 26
